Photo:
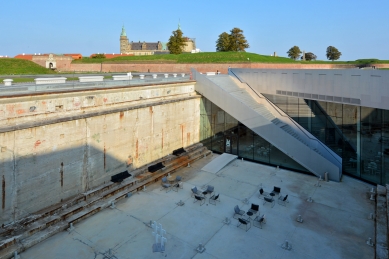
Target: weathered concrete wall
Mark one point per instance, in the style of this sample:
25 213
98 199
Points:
185 68
49 155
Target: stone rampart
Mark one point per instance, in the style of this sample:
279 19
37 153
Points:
55 146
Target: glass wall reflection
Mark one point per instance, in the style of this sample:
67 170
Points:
222 133
360 135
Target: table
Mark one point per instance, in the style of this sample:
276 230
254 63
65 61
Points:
171 179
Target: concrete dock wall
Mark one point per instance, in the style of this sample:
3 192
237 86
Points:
72 142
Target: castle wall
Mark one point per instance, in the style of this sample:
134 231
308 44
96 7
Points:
73 142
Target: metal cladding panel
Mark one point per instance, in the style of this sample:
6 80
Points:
349 84
297 150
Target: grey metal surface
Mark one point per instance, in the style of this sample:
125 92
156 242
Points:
368 88
218 163
270 123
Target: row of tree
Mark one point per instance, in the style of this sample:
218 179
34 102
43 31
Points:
236 41
332 53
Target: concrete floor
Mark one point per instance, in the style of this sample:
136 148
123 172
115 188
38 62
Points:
335 225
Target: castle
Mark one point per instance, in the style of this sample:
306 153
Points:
149 48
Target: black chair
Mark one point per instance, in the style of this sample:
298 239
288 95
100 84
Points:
209 190
263 193
175 186
258 221
269 200
213 199
238 211
244 222
254 208
283 200
199 198
276 190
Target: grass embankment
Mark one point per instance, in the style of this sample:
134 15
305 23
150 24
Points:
220 57
13 66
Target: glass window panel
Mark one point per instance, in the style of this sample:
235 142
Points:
351 144
371 144
246 145
261 149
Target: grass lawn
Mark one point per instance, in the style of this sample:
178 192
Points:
13 66
218 57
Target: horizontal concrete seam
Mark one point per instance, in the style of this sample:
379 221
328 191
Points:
93 114
70 91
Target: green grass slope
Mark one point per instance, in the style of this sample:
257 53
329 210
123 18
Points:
219 57
13 66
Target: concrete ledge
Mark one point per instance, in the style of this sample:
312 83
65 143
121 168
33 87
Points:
52 80
83 79
8 82
121 77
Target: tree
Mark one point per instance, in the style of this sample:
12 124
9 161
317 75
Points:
333 53
223 42
98 56
309 56
294 52
235 41
238 41
176 42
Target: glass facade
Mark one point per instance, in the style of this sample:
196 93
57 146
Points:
222 133
360 135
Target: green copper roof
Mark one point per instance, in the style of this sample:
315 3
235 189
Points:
123 32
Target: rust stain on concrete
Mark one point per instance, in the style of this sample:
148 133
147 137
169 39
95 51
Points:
21 111
37 143
105 99
61 172
104 157
188 138
151 109
3 194
121 115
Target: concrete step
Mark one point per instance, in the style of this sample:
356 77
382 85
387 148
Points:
18 237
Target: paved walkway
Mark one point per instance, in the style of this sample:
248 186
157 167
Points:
335 224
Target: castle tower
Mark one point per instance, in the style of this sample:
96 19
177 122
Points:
125 46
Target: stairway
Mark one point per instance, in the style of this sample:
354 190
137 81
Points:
268 121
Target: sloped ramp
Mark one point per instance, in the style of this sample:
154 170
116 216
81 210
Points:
218 163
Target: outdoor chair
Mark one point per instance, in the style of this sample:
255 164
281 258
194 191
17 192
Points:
263 193
244 222
175 187
199 198
196 192
254 208
283 200
165 185
269 200
178 181
213 199
238 211
209 190
276 190
259 220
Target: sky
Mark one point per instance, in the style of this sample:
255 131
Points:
358 29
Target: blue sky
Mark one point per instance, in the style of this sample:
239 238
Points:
359 29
